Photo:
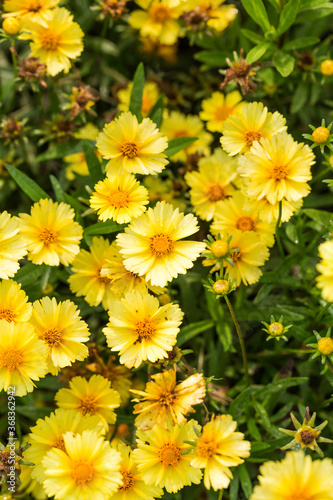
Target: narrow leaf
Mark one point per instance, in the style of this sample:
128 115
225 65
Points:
27 185
176 145
157 112
257 52
288 16
280 385
137 92
300 43
188 332
58 191
28 274
284 63
262 414
256 10
102 228
61 150
245 480
234 486
93 162
251 35
320 216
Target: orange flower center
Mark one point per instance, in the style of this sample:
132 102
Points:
7 314
82 473
34 6
144 330
215 193
88 405
48 236
11 359
245 223
102 279
52 337
181 133
167 399
128 481
160 13
236 256
299 495
169 454
161 245
206 448
250 137
49 40
60 443
279 172
118 199
222 113
129 149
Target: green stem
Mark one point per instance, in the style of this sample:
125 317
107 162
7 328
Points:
329 366
14 59
220 495
322 312
277 229
240 338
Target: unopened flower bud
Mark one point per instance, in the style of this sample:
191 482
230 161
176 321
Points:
320 135
325 345
221 286
275 329
326 67
219 248
11 26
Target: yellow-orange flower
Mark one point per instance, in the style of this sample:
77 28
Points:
12 245
31 10
14 305
218 107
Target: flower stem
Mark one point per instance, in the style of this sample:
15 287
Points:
277 228
240 338
220 495
322 312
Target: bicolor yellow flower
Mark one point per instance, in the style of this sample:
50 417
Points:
218 16
251 254
93 397
164 402
161 460
269 212
151 246
158 21
230 214
14 305
56 40
212 183
122 280
48 433
76 163
119 197
219 448
150 96
297 476
86 279
140 330
218 107
13 246
277 168
32 10
61 327
180 125
325 268
22 357
133 487
87 468
252 123
132 147
50 231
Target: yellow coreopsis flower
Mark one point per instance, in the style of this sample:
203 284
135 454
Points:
251 253
31 10
30 486
252 123
86 279
119 197
13 246
277 168
133 487
50 231
219 448
61 327
131 146
14 305
151 246
87 468
150 96
268 212
48 433
22 357
297 476
212 183
140 330
218 107
159 21
216 15
56 40
230 214
160 456
180 125
93 397
325 268
164 402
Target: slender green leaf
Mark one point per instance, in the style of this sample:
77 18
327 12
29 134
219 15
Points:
279 385
309 16
137 92
288 16
234 486
93 162
300 43
176 145
188 332
237 406
213 58
102 228
61 150
262 413
253 428
314 4
245 480
58 191
29 273
27 185
283 62
300 97
320 216
257 52
256 10
156 113
252 36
